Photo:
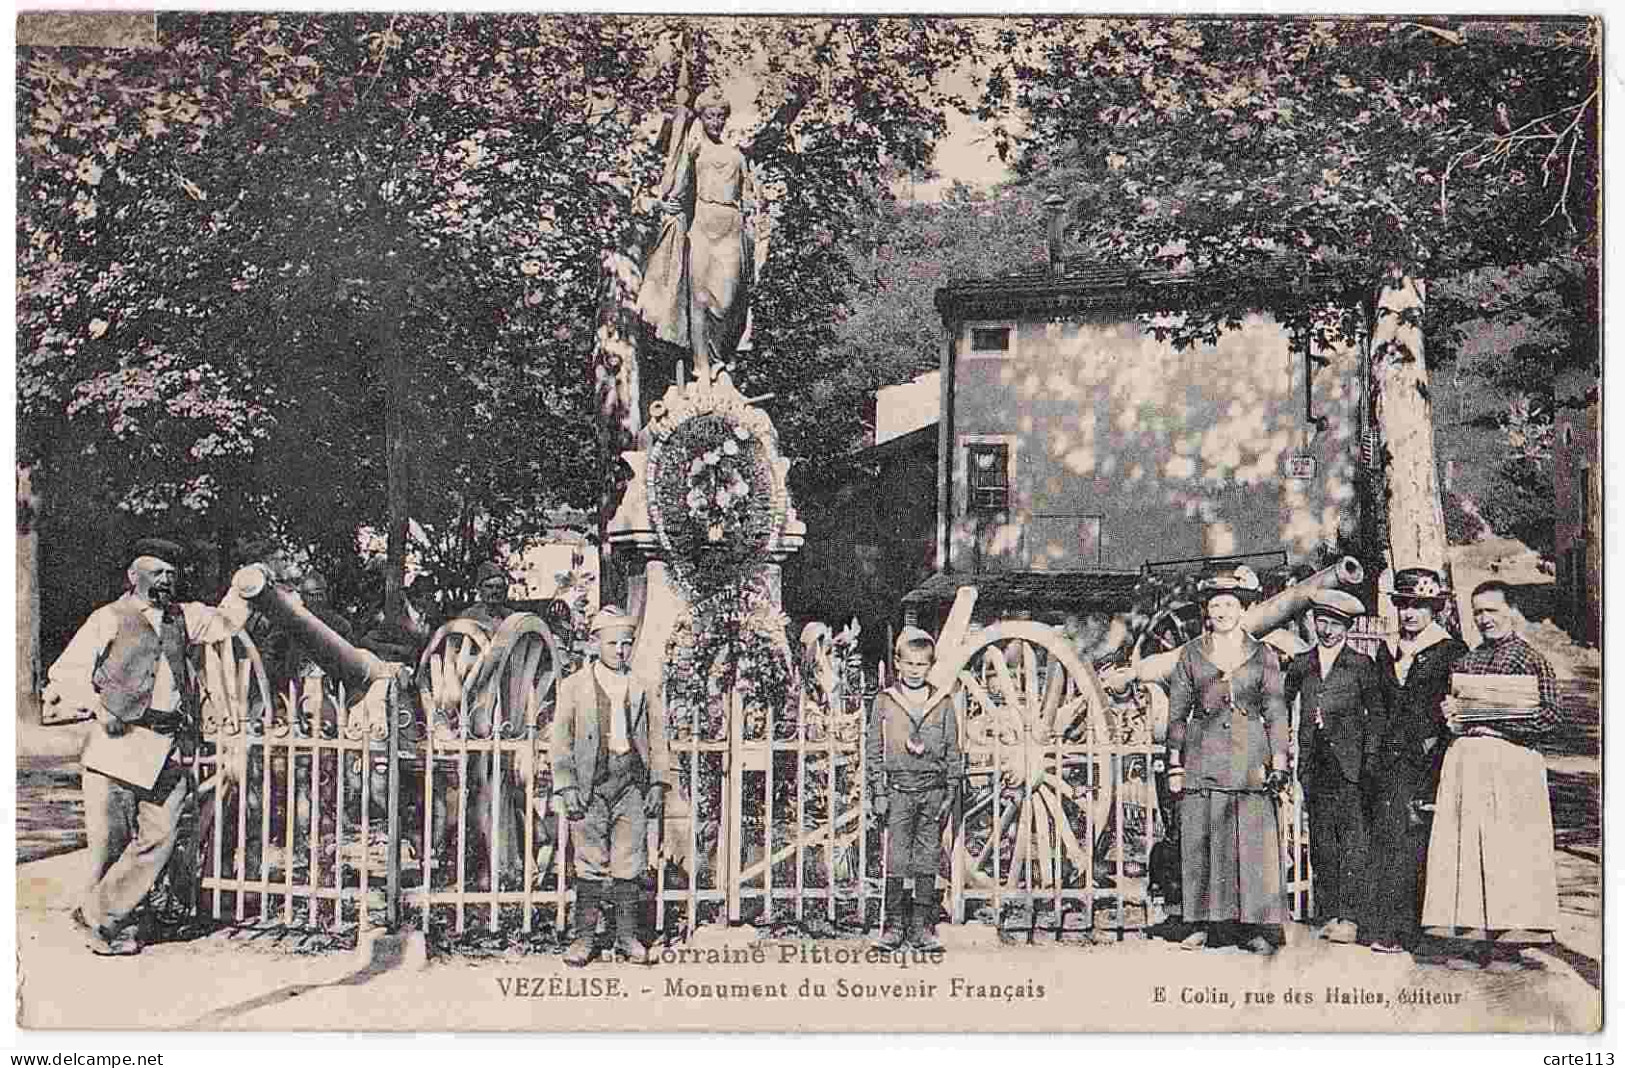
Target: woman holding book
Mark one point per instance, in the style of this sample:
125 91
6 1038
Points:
1491 875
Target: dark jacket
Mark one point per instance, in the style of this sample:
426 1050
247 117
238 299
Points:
1414 714
1351 700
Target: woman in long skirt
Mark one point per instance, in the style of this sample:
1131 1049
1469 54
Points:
1227 742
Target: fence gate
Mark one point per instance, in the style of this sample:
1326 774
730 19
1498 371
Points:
309 815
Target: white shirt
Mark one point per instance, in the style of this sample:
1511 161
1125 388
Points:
1327 655
617 686
70 677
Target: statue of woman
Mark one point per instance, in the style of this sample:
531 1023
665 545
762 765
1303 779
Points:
697 281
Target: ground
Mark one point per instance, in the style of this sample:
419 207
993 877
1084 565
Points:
259 979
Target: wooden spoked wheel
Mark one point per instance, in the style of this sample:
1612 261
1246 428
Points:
1173 626
476 686
1035 795
237 701
443 672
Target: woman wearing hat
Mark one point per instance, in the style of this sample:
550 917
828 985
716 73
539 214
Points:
1416 666
1227 743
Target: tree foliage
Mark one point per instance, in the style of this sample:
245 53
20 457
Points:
235 247
1345 159
1342 151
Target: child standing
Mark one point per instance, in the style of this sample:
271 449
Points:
913 754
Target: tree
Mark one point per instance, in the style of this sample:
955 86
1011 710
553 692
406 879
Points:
1360 155
311 273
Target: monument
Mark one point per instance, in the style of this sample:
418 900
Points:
706 519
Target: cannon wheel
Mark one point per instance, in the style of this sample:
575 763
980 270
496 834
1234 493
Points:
443 671
1170 628
237 698
1021 688
234 686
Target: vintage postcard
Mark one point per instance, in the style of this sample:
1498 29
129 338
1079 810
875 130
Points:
631 522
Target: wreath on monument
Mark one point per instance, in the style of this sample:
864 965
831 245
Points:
716 491
715 649
717 503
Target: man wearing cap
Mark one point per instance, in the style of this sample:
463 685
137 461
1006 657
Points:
1416 666
610 771
492 607
127 667
1341 715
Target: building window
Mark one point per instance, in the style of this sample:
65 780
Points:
987 466
990 341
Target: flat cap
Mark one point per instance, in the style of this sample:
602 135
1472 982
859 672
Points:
163 549
489 570
1337 603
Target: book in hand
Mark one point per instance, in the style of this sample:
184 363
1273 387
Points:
1491 698
137 756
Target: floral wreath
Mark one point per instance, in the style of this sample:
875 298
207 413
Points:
718 504
717 495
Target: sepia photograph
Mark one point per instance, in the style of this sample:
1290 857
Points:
822 523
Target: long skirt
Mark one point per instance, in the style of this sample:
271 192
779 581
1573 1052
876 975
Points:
1398 849
1231 858
1490 863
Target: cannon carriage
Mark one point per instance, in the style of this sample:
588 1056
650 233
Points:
315 801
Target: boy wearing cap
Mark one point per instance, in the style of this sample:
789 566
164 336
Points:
1416 666
610 771
1341 716
913 756
127 667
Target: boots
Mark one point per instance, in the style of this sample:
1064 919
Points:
897 906
628 905
584 945
922 926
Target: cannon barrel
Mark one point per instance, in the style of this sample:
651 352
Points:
1265 616
357 667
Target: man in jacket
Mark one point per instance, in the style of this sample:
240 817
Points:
611 770
127 668
1341 715
1416 666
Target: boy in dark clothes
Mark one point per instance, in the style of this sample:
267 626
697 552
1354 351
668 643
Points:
913 753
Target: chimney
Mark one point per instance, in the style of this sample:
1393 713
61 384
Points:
1055 211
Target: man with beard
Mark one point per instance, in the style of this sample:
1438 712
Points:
127 667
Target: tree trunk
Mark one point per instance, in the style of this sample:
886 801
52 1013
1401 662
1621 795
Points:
395 393
28 656
1403 412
